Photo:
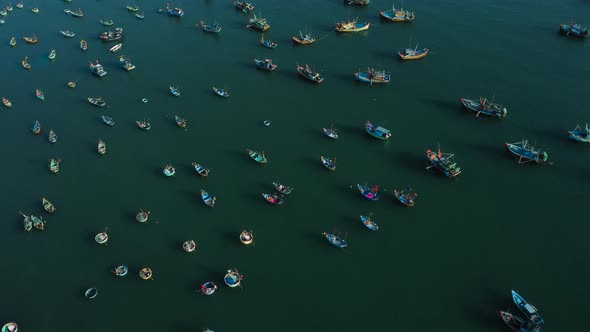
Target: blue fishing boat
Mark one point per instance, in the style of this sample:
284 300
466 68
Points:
483 106
108 120
397 15
121 271
527 153
169 170
215 28
373 76
208 288
267 43
178 12
331 132
259 157
530 311
377 132
201 169
208 200
406 196
244 6
328 163
579 134
574 30
443 162
174 91
335 240
265 64
370 194
233 278
97 69
36 127
369 223
221 92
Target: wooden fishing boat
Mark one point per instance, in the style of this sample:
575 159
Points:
246 237
208 200
12 326
328 163
142 216
208 288
309 74
6 102
221 92
373 76
244 6
36 127
273 199
377 131
367 222
146 273
483 106
77 13
144 125
303 40
259 157
111 35
108 120
102 147
52 54
357 2
282 188
265 64
97 69
140 16
233 278
405 196
368 193
40 95
527 309
83 45
174 91
115 48
133 8
352 26
443 162
31 40
12 42
189 246
267 43
169 170
25 64
121 271
126 63
412 54
201 170
107 21
331 132
258 23
27 223
173 11
527 153
102 237
397 15
516 323
52 137
215 28
180 121
574 30
68 34
579 134
35 10
38 222
97 101
335 240
54 165
71 84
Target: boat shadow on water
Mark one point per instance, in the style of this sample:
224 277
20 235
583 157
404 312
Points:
481 314
412 161
445 104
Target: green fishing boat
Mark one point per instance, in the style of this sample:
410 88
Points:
52 54
259 157
107 22
133 8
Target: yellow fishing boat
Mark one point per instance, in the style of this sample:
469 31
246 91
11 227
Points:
352 26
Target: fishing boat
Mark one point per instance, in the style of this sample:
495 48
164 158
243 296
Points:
12 326
35 10
201 170
412 54
282 188
52 137
27 223
77 13
142 216
146 273
67 11
68 34
3 12
310 74
83 45
373 76
273 199
121 271
443 162
107 22
233 278
144 125
97 69
97 101
20 5
36 127
331 132
9 7
246 237
267 43
111 35
38 222
221 92
12 42
328 163
303 40
102 147
6 102
208 288
173 11
115 48
52 54
265 64
579 134
174 91
483 106
244 6
91 293
40 95
180 121
366 220
266 123
31 40
370 194
140 16
133 8
71 84
169 170
208 200
25 64
259 157
102 237
357 2
397 15
54 166
189 246
574 30
405 196
516 323
526 152
377 131
335 240
352 26
258 23
215 28
529 310
126 63
107 120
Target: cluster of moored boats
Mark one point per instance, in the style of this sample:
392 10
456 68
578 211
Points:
530 323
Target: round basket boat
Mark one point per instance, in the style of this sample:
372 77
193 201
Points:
91 293
142 216
266 123
102 238
10 327
233 278
189 246
246 237
145 273
144 100
121 271
208 288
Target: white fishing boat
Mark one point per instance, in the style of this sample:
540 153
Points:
115 48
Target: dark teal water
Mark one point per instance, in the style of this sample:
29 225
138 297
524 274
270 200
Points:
449 263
